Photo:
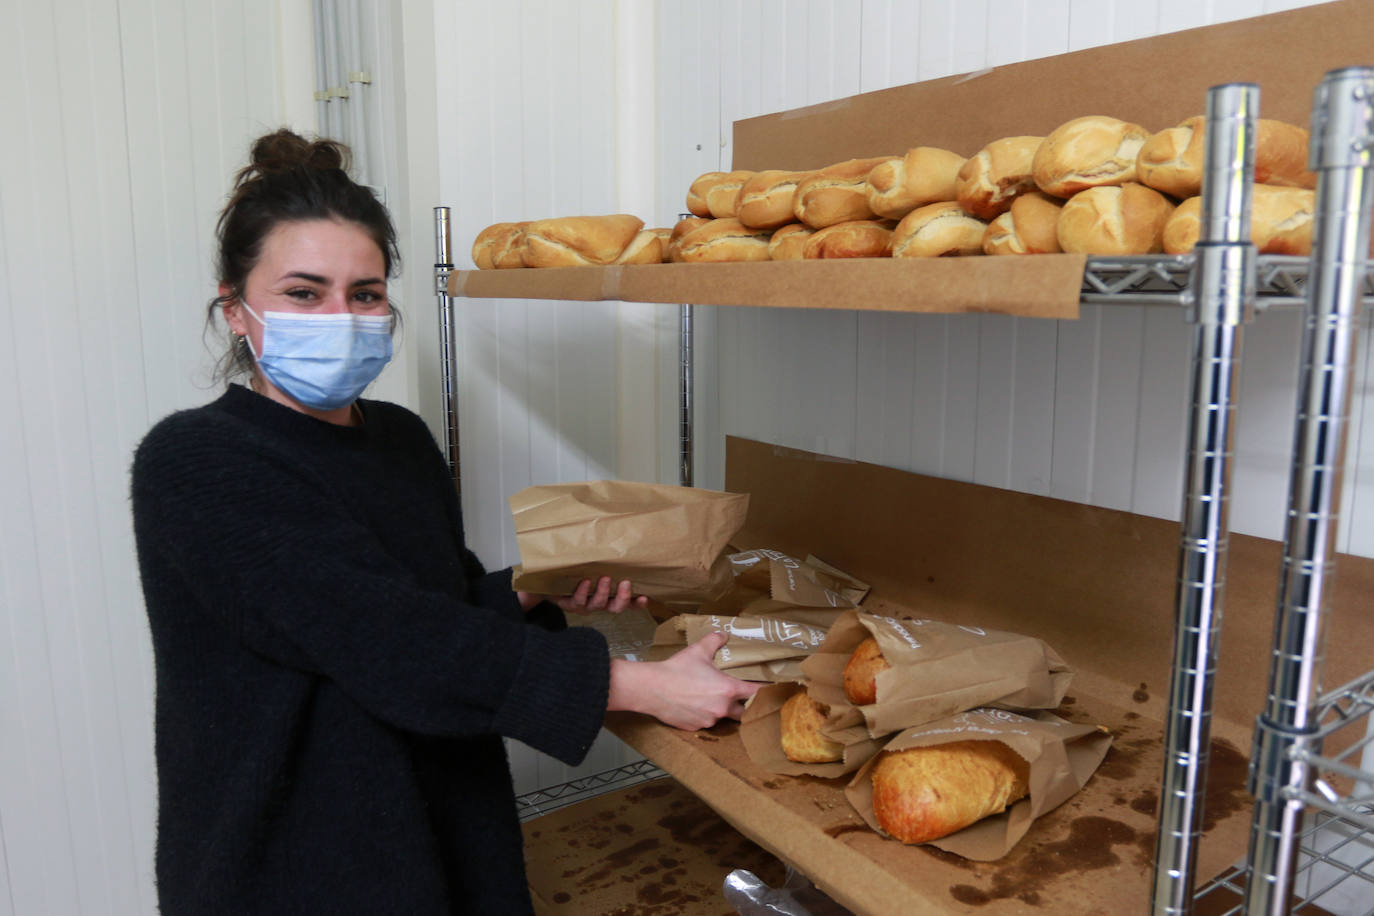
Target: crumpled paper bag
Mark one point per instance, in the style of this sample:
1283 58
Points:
669 541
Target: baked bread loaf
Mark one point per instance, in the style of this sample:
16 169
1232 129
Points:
861 673
499 246
680 229
644 248
836 194
788 243
938 230
722 197
1029 227
926 174
862 238
1116 220
925 793
724 240
765 200
696 193
665 235
569 241
996 175
1280 222
1171 160
1087 152
802 741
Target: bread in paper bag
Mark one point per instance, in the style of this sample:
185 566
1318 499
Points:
936 669
670 542
1059 758
761 729
762 648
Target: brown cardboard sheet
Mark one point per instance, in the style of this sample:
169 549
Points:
650 848
1098 585
1046 286
1155 82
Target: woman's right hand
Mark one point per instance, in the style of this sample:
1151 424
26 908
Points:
685 691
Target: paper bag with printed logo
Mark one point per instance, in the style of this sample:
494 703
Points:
761 729
930 669
670 542
1058 757
769 581
760 648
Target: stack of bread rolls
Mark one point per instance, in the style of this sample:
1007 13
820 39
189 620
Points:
1095 185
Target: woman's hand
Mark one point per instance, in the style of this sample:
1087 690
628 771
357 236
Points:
584 600
685 691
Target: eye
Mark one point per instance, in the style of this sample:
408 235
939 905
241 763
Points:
369 297
301 293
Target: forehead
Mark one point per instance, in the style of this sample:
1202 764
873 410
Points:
327 247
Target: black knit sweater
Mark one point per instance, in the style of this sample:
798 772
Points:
335 671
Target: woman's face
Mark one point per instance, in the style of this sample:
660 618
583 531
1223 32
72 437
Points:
320 266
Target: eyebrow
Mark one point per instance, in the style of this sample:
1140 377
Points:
316 278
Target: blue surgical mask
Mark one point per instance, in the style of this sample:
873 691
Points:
322 361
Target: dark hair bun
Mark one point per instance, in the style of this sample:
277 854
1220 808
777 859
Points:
285 151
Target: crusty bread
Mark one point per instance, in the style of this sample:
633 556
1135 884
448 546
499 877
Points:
1171 160
926 174
722 197
861 238
724 240
802 741
765 200
836 194
696 194
1087 152
925 793
665 235
499 246
1280 222
788 242
938 230
680 229
645 248
1112 221
994 176
1029 227
861 672
568 241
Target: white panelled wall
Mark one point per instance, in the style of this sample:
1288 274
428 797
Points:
127 119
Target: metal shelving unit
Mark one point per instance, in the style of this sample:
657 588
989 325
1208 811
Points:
1314 814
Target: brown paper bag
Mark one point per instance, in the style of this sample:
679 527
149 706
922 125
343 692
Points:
761 731
766 648
804 583
669 541
1062 757
938 669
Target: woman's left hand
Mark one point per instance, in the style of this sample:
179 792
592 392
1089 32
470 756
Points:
585 599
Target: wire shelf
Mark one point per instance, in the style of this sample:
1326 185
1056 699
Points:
551 798
1281 280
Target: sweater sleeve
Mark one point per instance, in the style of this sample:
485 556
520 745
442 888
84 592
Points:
276 560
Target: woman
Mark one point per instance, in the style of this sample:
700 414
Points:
335 670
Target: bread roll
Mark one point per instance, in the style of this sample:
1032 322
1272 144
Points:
696 194
765 200
1171 160
722 197
995 175
836 194
938 230
926 174
1087 152
724 240
499 246
1114 221
922 794
802 741
569 241
665 235
861 238
788 243
861 672
1029 227
645 248
680 229
1280 222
